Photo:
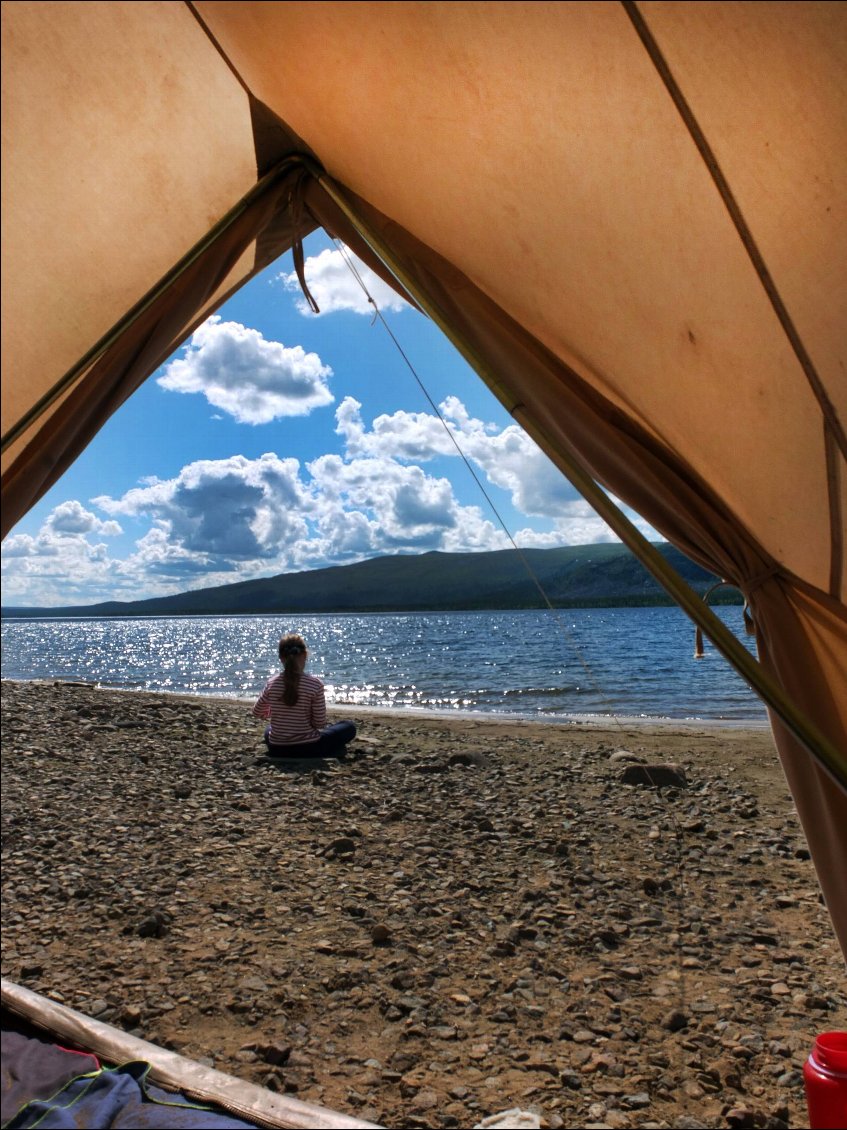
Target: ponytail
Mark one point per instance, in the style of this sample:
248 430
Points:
291 682
291 649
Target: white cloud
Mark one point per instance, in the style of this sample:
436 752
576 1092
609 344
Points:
334 287
404 508
407 436
60 557
251 379
20 545
233 519
509 458
71 518
220 511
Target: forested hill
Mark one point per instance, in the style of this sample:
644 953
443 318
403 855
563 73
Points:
574 576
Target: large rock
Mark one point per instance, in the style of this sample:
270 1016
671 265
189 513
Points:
660 776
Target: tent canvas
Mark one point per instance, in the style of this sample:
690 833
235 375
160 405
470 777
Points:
631 217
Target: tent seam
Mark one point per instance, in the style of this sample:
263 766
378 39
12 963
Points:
214 42
736 215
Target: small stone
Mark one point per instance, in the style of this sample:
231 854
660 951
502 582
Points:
340 847
739 1118
425 1100
636 1102
812 1000
791 1079
152 927
675 1020
275 1054
468 758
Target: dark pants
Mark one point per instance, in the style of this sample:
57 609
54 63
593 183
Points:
332 741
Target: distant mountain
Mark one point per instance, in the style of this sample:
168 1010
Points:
574 576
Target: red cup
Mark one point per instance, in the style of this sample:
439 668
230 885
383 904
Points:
825 1076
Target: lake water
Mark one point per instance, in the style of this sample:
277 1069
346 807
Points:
629 662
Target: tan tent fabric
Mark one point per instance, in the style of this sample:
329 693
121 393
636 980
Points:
531 166
107 131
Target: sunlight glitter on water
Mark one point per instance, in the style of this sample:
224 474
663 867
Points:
629 661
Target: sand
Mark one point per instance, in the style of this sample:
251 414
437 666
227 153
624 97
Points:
462 916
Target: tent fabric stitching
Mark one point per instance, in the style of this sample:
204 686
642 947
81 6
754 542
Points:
217 46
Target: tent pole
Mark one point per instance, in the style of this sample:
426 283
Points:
772 694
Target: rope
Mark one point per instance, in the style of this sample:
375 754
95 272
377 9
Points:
557 613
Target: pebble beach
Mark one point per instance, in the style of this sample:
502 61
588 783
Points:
606 925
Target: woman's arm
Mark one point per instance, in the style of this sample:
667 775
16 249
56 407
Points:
262 707
318 711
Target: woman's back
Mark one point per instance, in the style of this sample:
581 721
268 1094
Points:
301 722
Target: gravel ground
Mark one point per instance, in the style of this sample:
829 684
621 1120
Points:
462 916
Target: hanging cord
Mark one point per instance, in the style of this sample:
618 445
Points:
378 315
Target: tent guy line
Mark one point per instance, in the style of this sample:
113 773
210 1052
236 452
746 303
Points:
558 615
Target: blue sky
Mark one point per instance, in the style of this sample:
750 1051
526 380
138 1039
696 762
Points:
277 440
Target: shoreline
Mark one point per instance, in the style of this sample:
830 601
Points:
459 917
596 722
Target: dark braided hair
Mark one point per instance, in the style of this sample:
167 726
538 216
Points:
291 647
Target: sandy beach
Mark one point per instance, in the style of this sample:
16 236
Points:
462 916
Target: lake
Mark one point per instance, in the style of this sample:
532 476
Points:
628 662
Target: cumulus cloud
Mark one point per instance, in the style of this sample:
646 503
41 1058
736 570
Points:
334 287
236 518
71 518
509 459
220 511
407 436
404 508
60 556
251 379
270 514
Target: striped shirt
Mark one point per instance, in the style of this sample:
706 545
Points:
293 724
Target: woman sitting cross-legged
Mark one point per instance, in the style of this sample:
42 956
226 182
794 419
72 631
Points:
295 705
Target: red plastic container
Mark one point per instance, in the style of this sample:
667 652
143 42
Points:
825 1076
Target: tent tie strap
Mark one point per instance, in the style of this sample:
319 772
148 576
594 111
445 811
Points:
296 205
756 582
749 624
